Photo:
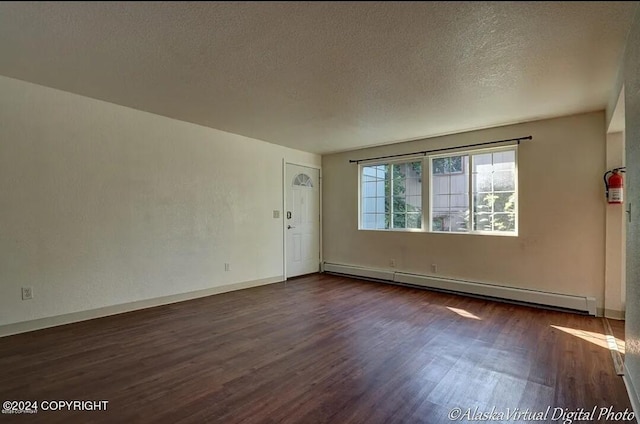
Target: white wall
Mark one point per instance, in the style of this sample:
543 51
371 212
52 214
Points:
632 156
104 205
560 247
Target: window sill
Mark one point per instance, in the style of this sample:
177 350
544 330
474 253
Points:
394 230
419 230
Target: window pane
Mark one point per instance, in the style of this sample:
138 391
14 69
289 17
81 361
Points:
399 204
380 204
438 166
399 221
399 186
437 223
414 203
450 193
441 222
369 189
414 220
458 183
374 221
504 202
381 221
369 205
504 222
368 178
447 165
459 202
504 181
413 187
483 222
482 182
389 192
416 170
494 191
369 171
382 171
373 200
483 202
370 174
440 202
460 221
482 162
504 160
406 192
369 221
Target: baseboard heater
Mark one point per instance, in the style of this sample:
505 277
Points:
574 303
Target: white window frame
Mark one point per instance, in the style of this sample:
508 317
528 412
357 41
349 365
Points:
429 159
409 159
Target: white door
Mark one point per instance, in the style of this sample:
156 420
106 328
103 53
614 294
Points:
302 220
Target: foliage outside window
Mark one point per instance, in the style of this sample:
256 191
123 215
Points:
447 165
391 196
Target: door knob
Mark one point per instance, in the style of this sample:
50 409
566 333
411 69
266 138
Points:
290 227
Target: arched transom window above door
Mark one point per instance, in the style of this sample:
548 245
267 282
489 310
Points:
302 180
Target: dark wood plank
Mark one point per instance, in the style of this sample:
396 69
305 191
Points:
319 349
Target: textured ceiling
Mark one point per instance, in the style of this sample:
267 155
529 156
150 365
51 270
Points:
325 76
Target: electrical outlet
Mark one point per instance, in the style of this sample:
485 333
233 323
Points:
227 267
392 263
27 293
434 268
276 214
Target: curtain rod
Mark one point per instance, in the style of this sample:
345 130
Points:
425 152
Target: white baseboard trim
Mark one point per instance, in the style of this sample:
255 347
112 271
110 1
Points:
376 274
576 303
633 393
38 324
614 314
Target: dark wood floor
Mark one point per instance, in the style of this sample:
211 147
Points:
320 349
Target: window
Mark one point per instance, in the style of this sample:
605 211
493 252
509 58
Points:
468 192
494 191
302 180
450 195
391 196
475 194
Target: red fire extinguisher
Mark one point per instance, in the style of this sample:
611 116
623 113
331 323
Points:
614 185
